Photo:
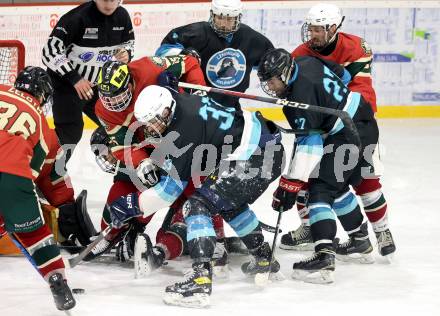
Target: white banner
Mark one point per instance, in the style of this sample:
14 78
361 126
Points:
404 36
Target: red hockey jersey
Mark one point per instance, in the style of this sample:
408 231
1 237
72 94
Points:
23 133
353 53
144 72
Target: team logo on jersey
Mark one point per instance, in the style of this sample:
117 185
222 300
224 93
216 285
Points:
87 56
226 69
158 61
366 47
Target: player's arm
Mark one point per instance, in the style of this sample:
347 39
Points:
123 141
127 41
54 52
360 71
146 203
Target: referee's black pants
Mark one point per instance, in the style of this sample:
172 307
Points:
67 113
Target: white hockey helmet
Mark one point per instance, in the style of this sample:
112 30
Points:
226 9
154 108
325 15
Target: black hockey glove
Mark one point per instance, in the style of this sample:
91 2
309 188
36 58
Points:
148 173
285 194
167 79
124 208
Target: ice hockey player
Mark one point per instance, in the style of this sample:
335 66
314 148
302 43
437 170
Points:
228 48
322 38
115 111
244 156
294 80
23 148
170 238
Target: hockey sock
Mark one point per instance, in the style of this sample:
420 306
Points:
170 242
348 211
41 245
322 224
374 202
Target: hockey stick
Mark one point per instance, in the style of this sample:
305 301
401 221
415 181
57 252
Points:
268 228
262 279
72 262
342 115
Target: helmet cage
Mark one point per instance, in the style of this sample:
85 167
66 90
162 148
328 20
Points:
222 31
117 103
306 33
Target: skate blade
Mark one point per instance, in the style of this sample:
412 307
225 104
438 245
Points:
362 258
389 258
315 277
300 247
198 300
262 279
221 272
141 267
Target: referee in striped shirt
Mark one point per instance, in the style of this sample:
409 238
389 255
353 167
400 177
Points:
81 42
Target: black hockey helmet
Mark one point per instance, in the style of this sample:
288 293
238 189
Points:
192 52
275 63
113 88
99 143
35 81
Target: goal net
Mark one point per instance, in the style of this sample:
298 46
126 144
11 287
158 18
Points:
12 54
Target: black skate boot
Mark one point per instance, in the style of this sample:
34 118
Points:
146 257
260 261
385 243
318 268
358 248
61 292
194 291
299 239
235 245
219 261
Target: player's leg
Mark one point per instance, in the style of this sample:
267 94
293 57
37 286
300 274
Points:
358 247
67 116
301 238
23 217
375 207
195 290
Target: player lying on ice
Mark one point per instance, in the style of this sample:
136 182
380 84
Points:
241 154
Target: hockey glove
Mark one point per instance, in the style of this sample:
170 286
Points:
123 209
167 79
148 173
285 194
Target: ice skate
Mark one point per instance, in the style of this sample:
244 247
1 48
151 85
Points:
299 239
194 291
61 292
358 248
318 268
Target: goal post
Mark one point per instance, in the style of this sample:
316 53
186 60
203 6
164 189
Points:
12 59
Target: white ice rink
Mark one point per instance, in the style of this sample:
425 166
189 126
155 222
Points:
409 286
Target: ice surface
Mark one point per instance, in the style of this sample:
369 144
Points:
409 286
